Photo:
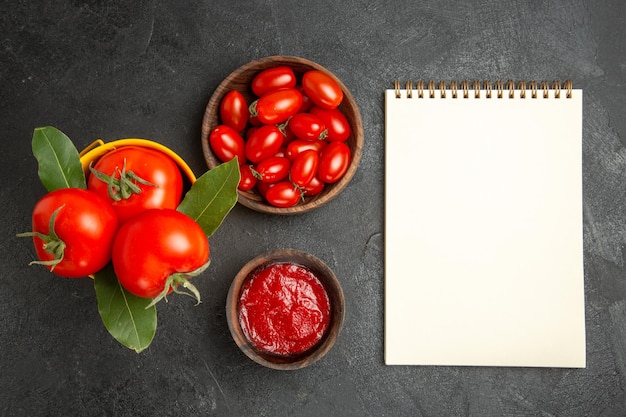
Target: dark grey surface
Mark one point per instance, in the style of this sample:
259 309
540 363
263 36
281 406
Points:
147 69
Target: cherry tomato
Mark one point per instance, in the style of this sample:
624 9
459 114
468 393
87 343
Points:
283 194
263 143
234 110
262 187
273 79
282 151
334 162
226 143
254 120
337 125
158 250
134 178
276 106
322 89
306 101
73 232
304 167
272 169
251 130
314 187
296 147
247 180
307 126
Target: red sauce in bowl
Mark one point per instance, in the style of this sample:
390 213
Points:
283 309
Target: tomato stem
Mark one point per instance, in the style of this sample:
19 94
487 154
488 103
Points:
252 109
52 243
123 187
181 279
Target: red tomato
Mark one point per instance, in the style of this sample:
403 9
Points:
83 228
306 101
276 106
133 179
226 143
337 125
234 110
304 168
263 143
273 79
282 151
314 187
322 89
247 180
272 169
251 130
296 147
283 194
254 120
307 126
334 162
158 250
262 187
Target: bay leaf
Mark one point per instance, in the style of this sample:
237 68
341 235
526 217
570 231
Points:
59 162
124 315
212 196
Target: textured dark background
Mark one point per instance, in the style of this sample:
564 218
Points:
114 69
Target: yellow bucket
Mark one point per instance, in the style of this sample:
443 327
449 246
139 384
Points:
98 148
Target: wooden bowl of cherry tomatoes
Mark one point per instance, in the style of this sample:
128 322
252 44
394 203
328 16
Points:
295 129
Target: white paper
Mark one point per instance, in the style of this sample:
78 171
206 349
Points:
483 231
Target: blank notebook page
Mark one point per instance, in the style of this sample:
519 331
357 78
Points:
483 230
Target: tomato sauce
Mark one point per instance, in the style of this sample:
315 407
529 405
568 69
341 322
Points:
283 309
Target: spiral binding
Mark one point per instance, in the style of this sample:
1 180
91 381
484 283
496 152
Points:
497 88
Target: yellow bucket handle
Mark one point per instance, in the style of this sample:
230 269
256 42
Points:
92 145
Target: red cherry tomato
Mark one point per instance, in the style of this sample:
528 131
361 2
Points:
276 106
304 168
337 125
334 162
153 251
314 187
306 101
322 89
272 169
296 147
262 187
254 121
134 178
251 130
273 79
307 126
263 143
283 194
282 151
247 180
82 234
226 143
234 110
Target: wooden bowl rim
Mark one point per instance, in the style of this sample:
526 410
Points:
255 202
331 284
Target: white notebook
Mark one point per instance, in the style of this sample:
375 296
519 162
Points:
483 225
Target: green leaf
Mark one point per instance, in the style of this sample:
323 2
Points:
59 162
212 196
124 315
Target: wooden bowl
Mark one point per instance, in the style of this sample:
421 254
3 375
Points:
240 79
331 285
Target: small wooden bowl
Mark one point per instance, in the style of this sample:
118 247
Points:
240 79
335 295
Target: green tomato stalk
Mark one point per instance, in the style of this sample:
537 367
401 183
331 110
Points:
181 279
123 187
53 244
